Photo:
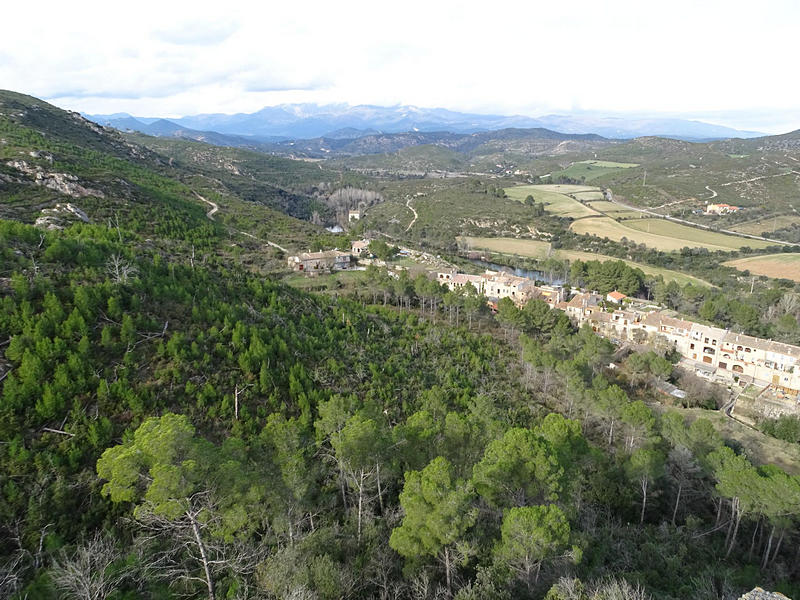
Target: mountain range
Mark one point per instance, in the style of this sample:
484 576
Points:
342 121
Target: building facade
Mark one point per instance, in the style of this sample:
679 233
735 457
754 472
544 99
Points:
320 262
724 354
496 286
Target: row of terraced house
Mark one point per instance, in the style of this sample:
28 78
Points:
497 285
713 352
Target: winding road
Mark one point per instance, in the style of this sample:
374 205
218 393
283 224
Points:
215 208
411 208
213 205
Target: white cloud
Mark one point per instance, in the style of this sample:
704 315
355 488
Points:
169 58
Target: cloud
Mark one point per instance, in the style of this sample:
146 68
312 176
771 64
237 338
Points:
684 57
196 33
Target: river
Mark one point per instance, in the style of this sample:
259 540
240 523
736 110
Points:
519 272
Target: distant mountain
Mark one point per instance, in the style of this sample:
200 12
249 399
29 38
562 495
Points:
308 121
618 127
527 141
167 128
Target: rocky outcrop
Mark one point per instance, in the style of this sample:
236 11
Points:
56 217
63 183
760 594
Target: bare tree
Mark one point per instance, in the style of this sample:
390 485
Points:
11 575
120 270
89 573
173 548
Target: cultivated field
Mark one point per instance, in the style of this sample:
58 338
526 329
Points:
615 210
541 250
769 224
587 170
662 235
781 266
554 198
588 196
693 234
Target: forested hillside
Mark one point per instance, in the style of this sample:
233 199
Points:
174 423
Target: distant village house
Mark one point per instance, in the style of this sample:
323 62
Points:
320 262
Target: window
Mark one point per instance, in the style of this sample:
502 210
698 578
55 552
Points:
691 346
708 350
723 365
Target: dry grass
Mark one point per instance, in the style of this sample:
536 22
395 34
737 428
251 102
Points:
780 266
761 448
663 235
693 234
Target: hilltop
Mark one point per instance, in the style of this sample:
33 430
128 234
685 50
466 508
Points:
50 157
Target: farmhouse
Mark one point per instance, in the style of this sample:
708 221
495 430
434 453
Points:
721 209
616 297
359 247
320 262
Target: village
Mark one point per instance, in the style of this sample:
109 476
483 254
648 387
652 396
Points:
768 369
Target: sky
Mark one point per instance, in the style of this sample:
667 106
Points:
726 62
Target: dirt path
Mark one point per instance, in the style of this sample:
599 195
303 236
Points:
714 194
411 208
215 208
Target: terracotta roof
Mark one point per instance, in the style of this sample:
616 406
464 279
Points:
617 295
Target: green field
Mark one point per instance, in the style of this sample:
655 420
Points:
588 196
780 266
768 224
587 170
541 250
554 199
662 235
